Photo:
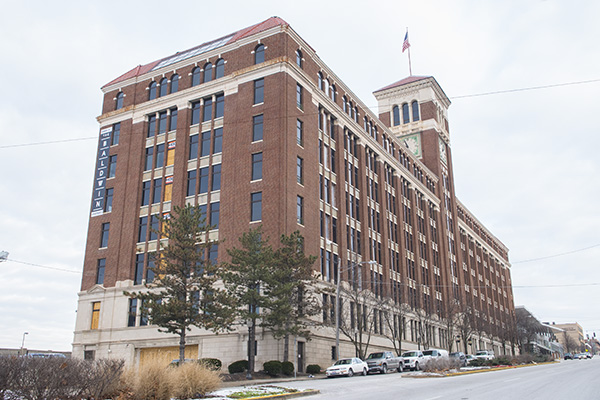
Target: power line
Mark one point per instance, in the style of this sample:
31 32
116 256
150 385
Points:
525 89
50 142
44 266
555 255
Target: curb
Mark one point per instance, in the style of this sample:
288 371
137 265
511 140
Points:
476 371
308 392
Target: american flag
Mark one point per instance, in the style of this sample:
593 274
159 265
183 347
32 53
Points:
405 45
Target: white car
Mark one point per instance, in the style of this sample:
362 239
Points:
347 367
434 354
485 355
413 359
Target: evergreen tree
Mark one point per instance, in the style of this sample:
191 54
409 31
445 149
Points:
182 293
290 287
245 279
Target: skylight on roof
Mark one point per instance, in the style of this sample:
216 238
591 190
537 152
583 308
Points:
193 52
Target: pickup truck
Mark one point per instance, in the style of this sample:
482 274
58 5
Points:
485 354
384 361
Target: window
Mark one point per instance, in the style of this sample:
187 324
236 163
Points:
191 182
220 68
142 229
205 144
139 269
150 269
156 191
208 72
213 253
173 121
203 187
116 133
95 315
145 193
119 100
162 122
405 115
149 158
171 152
257 127
108 200
160 156
151 125
299 133
257 166
214 214
195 113
104 235
259 54
256 206
259 91
168 188
154 221
207 115
132 312
174 83
219 105
299 96
193 147
164 87
196 76
218 141
320 80
152 90
216 177
300 209
299 58
333 93
396 115
100 271
299 170
415 110
112 165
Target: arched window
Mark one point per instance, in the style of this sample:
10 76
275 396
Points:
405 114
196 76
345 104
174 83
415 110
259 54
326 87
299 58
119 101
164 87
333 94
220 68
208 72
320 79
396 115
152 91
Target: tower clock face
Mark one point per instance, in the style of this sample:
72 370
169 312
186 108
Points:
443 155
413 144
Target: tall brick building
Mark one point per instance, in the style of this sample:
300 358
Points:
256 129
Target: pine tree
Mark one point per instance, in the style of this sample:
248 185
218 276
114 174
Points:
182 293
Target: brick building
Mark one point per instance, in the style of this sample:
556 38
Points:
258 130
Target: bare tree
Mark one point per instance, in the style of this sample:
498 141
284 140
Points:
357 323
394 316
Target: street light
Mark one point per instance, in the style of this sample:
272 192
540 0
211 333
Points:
337 304
23 341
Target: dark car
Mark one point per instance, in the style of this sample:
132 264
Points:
568 356
459 357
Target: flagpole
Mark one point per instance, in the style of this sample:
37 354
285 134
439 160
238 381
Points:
406 46
409 63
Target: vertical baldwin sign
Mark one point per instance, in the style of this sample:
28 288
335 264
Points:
101 172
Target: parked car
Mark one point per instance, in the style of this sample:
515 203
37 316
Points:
485 354
568 356
459 357
347 367
384 361
434 354
469 358
413 359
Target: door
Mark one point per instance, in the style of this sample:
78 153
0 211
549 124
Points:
300 356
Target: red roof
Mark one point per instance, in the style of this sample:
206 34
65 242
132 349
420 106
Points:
404 81
251 30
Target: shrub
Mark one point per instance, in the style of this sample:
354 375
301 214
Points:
211 363
193 380
313 369
238 366
478 362
287 368
272 367
153 381
503 360
439 364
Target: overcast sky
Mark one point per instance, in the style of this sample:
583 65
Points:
525 162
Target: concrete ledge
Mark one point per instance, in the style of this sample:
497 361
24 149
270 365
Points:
475 371
308 392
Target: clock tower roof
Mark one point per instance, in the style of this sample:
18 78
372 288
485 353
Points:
405 81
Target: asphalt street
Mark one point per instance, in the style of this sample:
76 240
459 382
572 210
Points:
571 379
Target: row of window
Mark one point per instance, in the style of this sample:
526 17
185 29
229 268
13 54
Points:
406 113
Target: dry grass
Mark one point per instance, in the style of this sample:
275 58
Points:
193 380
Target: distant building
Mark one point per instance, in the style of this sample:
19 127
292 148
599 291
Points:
256 129
537 337
572 338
